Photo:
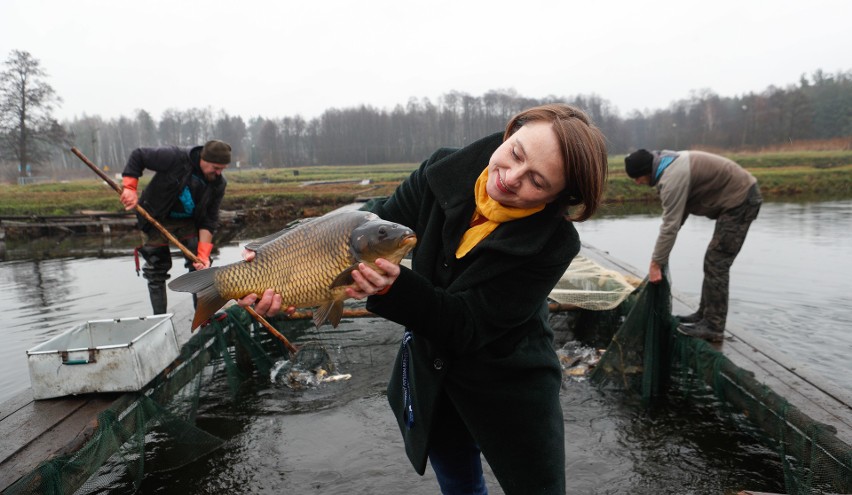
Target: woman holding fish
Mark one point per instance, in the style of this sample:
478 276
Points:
477 371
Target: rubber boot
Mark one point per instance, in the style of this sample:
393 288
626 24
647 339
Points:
157 292
693 318
158 261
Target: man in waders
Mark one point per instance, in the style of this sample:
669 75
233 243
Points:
699 183
184 196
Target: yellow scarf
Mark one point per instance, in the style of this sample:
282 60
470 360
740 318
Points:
494 214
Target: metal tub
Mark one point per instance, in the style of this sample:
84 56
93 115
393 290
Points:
116 355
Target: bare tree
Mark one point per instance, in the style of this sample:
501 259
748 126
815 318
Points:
26 102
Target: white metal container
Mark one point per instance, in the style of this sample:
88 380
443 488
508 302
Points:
117 355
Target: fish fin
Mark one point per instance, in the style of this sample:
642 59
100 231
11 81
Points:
336 313
344 278
195 281
331 311
259 243
201 283
207 303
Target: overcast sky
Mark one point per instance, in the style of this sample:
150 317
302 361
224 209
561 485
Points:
281 58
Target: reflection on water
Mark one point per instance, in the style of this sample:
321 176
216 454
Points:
790 283
40 299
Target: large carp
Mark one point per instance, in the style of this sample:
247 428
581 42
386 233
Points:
309 264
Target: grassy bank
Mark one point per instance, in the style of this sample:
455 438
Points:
315 190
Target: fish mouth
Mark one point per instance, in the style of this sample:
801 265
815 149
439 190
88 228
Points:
408 241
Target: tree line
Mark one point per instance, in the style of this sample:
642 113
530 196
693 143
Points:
818 107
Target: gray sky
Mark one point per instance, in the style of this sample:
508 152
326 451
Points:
282 58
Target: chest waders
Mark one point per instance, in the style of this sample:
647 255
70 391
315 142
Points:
158 259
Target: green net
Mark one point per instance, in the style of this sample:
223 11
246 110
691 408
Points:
637 356
648 358
154 430
815 461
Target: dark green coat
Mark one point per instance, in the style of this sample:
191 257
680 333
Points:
479 323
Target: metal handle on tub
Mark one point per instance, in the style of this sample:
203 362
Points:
91 359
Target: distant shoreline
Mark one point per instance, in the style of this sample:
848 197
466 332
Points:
288 193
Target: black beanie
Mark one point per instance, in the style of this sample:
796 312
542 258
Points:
638 163
216 152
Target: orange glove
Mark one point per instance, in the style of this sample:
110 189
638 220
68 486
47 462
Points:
130 182
204 250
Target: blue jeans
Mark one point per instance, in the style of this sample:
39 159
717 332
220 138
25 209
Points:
459 470
454 455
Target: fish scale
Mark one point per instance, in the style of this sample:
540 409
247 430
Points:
274 268
309 264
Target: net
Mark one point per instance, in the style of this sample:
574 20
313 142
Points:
637 357
647 357
588 285
154 429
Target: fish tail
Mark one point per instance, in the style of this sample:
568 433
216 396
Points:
202 284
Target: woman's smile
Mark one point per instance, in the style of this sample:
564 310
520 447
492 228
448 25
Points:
501 184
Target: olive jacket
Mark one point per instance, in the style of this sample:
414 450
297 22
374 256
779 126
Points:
479 327
176 169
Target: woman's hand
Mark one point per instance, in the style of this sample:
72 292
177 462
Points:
269 304
369 282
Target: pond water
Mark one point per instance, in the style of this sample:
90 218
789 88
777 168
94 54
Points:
790 283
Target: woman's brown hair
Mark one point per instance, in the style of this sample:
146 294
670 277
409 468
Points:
583 152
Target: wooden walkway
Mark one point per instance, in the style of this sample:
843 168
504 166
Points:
813 395
34 431
87 222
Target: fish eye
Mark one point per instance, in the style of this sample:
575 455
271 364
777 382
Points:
383 231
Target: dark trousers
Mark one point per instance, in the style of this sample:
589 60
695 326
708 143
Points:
454 455
158 259
728 238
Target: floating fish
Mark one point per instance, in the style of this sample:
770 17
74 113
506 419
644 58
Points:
309 264
578 361
309 367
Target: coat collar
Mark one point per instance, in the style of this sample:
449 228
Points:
452 178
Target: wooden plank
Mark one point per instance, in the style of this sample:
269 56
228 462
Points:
32 420
809 399
35 431
66 434
17 401
813 395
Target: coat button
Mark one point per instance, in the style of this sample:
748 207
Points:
438 363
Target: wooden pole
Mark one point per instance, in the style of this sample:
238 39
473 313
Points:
189 254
